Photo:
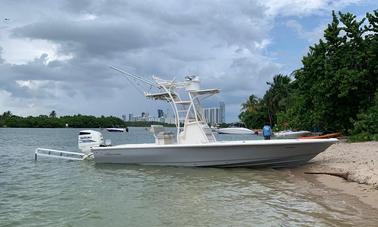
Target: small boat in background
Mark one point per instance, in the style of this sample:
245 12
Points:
234 130
116 129
290 134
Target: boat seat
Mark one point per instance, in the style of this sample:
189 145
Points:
161 136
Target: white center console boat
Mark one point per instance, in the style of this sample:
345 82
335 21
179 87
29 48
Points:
194 143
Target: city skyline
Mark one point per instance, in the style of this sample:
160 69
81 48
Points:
213 115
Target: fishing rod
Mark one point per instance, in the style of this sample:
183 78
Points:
135 76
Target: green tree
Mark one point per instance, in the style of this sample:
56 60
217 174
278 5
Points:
44 121
337 79
52 114
7 114
276 97
251 104
253 112
335 90
366 125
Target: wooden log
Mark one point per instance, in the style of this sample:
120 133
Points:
343 175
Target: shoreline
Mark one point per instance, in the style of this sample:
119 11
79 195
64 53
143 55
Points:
351 168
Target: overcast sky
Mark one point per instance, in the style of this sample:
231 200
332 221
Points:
54 55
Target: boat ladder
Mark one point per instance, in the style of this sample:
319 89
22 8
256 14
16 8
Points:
59 154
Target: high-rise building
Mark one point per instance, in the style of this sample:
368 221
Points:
160 113
131 117
215 115
145 114
222 112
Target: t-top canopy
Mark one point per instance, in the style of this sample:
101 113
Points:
160 96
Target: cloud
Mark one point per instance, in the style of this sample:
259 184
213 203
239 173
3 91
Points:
311 36
93 37
304 7
19 105
1 59
56 53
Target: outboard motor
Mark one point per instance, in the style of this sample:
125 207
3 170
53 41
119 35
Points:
88 139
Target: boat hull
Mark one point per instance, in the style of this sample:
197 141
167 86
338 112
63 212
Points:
116 129
290 134
218 154
235 131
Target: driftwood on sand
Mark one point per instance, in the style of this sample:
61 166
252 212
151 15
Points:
343 175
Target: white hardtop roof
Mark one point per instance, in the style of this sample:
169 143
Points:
160 96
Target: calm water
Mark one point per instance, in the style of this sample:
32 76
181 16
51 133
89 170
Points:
71 193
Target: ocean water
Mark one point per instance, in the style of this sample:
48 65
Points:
51 192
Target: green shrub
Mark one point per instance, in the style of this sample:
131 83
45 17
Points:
366 125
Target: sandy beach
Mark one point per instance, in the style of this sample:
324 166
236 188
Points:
351 168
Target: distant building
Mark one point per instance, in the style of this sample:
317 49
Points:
162 116
131 117
222 109
160 113
215 115
124 117
145 116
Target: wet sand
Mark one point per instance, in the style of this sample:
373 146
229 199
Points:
351 168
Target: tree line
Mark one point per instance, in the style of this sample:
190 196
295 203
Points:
7 119
335 89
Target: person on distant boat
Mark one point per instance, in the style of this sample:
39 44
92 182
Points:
267 131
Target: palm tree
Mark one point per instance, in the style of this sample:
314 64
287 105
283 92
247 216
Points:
7 114
52 114
277 95
251 104
276 98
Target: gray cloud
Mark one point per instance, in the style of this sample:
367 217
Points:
93 37
171 39
224 42
1 59
77 6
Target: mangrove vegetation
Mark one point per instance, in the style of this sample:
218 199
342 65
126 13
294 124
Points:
7 119
335 89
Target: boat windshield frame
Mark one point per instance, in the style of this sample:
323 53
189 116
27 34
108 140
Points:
185 111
